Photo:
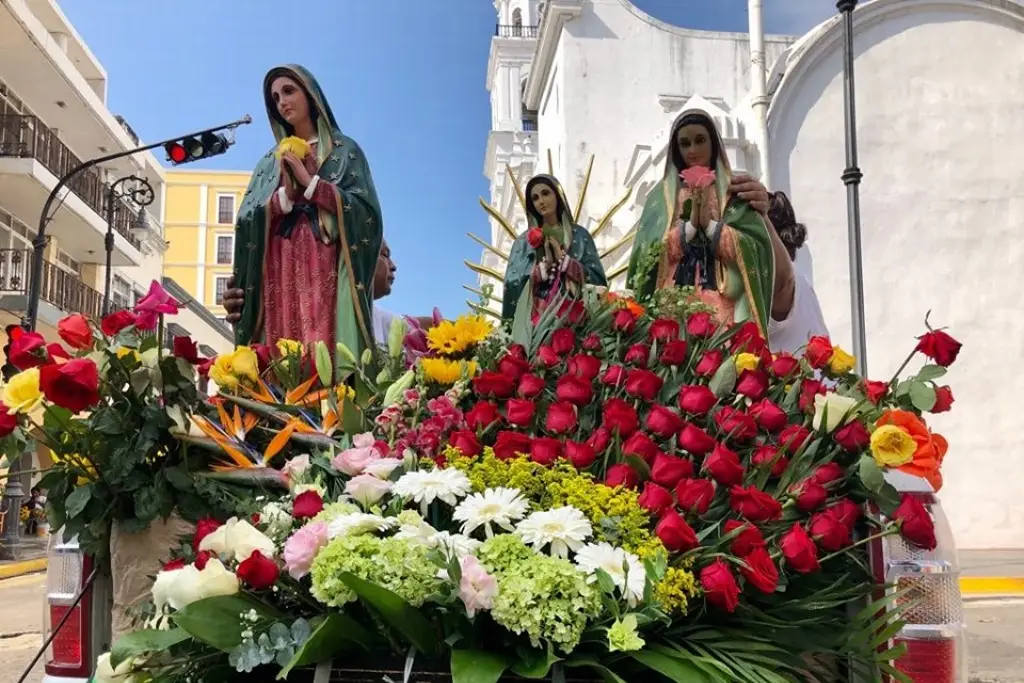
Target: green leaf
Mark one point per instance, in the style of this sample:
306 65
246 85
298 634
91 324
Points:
888 498
333 635
535 663
871 474
922 396
79 498
477 666
352 421
606 674
178 478
399 614
56 418
324 368
676 669
930 373
395 391
144 642
724 380
522 326
640 466
215 621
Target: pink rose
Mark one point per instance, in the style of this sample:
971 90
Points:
302 547
354 460
296 467
367 489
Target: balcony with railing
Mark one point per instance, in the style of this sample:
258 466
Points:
26 137
60 288
515 31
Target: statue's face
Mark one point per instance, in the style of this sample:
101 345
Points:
290 100
694 144
544 199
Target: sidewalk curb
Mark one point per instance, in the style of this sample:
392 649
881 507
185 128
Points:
991 585
8 571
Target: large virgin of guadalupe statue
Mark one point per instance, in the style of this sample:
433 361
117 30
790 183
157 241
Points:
309 227
693 232
555 256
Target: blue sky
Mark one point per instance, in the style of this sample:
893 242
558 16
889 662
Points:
406 79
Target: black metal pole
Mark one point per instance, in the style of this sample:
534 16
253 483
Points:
39 243
108 247
851 178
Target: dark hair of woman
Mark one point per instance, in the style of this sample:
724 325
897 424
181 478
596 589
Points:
282 72
782 216
560 208
694 120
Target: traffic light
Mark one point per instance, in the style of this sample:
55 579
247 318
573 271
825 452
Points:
7 370
196 147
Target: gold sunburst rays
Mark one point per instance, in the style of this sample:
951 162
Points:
607 218
583 191
488 246
623 241
496 215
515 186
482 294
484 270
483 309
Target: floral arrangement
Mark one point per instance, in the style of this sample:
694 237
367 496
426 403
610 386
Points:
611 492
292 145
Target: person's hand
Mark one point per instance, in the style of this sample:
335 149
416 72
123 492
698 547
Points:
298 169
233 301
752 191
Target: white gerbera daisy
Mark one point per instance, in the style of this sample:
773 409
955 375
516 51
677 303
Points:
357 523
416 531
498 506
564 528
423 486
455 545
625 569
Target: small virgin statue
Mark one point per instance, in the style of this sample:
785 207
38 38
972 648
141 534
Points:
555 256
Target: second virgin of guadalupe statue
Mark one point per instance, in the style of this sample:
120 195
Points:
554 257
694 232
309 228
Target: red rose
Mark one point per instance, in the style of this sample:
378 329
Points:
793 437
173 564
655 499
853 438
700 325
202 557
548 357
724 466
810 388
264 357
186 349
575 390
695 495
75 331
531 386
382 447
307 504
75 385
621 475
673 353
491 383
641 445
117 321
875 391
675 533
767 454
613 376
695 440
510 444
943 400
847 512
754 504
810 495
563 341
545 450
8 421
828 473
592 342
203 367
258 572
637 354
747 540
769 415
581 455
599 439
784 366
735 424
940 347
664 330
916 524
584 366
663 423
753 384
204 527
466 442
620 417
517 351
818 352
829 530
519 411
643 384
27 349
748 340
760 571
574 311
535 237
799 550
482 415
513 366
720 587
696 399
624 321
709 362
669 470
560 418
57 351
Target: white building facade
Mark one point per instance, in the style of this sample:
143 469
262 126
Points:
942 195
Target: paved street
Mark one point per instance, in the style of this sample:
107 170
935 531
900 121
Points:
21 620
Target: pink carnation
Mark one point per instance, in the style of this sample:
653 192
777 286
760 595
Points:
697 177
302 547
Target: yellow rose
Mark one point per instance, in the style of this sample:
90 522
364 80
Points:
841 361
125 352
892 446
22 394
290 347
746 361
296 145
229 369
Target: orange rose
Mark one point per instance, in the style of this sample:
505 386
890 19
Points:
931 448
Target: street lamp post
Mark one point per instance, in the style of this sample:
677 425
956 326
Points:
851 178
141 193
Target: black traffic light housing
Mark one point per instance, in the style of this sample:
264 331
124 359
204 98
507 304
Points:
196 147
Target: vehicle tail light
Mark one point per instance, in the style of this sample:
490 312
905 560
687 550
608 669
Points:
66 572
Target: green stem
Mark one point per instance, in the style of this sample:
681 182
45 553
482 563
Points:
902 367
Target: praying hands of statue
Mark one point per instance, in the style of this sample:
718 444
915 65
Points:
298 177
750 190
233 300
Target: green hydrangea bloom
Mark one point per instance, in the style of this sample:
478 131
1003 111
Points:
332 511
503 551
401 567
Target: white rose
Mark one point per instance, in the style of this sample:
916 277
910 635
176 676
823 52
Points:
238 539
277 519
162 586
837 407
382 468
186 588
215 580
367 489
105 673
